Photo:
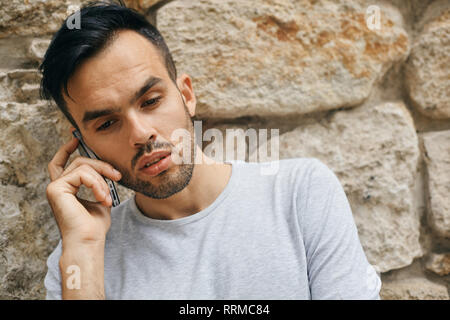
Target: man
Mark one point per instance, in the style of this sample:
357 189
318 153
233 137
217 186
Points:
194 230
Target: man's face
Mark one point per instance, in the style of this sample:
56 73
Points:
126 107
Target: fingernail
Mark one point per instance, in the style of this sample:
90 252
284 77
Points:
117 173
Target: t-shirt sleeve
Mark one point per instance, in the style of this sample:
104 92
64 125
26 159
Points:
337 265
52 281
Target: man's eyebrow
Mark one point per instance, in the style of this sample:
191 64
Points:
151 81
91 115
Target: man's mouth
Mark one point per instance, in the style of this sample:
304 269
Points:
154 163
148 164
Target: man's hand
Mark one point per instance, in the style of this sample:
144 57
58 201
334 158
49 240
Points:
80 220
83 224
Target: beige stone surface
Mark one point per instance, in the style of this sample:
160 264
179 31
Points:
39 17
277 62
142 5
427 71
19 85
439 264
37 49
414 289
374 152
280 57
14 53
33 17
26 225
437 158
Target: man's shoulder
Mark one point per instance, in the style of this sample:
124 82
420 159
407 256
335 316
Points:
289 167
296 176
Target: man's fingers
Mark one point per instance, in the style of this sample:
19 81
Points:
104 168
57 164
86 175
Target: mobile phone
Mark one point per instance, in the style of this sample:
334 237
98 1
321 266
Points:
86 152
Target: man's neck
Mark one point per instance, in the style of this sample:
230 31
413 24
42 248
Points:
208 180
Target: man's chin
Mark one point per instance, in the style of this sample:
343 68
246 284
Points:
161 186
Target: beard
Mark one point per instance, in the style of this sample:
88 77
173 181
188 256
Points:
166 183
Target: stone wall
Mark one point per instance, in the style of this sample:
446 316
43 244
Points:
371 103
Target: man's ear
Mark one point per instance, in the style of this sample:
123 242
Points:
184 84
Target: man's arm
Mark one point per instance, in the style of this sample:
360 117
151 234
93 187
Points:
82 224
337 265
75 273
82 271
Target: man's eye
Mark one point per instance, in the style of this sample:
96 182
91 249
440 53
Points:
151 102
105 125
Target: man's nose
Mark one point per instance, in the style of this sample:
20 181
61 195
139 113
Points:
140 130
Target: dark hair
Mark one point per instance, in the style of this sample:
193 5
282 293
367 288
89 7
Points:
100 22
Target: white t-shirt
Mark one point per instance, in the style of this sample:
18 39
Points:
289 235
